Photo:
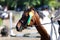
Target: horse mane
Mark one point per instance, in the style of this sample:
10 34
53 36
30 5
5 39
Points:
41 15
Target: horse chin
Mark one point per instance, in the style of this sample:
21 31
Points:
18 29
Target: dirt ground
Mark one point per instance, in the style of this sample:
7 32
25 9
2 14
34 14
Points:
18 38
22 38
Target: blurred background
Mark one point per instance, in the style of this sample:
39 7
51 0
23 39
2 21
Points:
18 6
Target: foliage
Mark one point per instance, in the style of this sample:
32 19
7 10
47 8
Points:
13 3
53 4
58 4
1 21
2 0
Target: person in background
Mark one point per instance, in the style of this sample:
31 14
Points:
5 14
57 18
5 8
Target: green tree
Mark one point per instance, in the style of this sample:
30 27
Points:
14 3
53 3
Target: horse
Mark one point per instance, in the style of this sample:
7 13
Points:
30 17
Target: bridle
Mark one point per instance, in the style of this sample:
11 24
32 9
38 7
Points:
28 19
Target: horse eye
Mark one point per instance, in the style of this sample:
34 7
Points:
32 20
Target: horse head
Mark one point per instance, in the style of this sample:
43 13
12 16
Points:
30 17
27 19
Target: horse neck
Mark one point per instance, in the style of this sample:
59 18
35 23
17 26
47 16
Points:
40 28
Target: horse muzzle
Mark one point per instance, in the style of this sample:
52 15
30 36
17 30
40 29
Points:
19 29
